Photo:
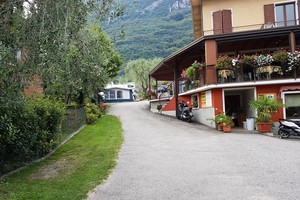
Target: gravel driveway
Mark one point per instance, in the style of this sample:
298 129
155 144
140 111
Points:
164 158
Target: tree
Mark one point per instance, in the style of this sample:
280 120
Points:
91 62
46 32
138 71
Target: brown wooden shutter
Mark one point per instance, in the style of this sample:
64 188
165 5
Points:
269 13
217 22
227 22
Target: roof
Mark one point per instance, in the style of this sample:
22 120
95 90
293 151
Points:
120 86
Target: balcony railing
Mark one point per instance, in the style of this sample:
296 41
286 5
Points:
244 74
271 72
251 27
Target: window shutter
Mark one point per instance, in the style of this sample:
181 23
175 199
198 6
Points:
217 22
227 22
269 13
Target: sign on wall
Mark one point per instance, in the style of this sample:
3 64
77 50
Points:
206 99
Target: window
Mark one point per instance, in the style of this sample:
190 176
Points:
195 101
112 94
292 106
285 14
119 95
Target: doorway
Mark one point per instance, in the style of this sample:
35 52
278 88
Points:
236 104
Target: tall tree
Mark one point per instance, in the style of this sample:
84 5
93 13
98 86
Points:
46 33
138 71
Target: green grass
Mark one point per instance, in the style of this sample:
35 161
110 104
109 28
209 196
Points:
73 170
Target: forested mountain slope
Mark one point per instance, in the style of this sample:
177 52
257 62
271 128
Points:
152 28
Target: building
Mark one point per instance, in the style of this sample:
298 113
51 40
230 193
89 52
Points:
120 93
236 28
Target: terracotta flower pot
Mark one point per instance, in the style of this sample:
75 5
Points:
226 129
264 127
220 127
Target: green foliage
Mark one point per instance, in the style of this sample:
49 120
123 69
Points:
224 62
94 112
265 107
28 130
281 56
54 42
191 73
72 167
138 71
156 33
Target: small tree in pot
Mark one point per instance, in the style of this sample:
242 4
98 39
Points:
265 107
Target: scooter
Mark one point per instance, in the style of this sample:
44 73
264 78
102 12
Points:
288 127
185 113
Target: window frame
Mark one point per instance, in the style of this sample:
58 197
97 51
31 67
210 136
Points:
192 98
285 21
283 100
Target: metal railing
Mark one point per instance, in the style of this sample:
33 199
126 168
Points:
246 74
251 27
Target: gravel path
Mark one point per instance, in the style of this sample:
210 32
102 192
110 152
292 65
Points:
163 158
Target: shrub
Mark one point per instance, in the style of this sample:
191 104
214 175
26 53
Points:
29 129
93 113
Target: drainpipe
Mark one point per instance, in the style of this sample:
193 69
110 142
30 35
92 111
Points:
197 18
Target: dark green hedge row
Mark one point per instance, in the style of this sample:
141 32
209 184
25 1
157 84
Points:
28 130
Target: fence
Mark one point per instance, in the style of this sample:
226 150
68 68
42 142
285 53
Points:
74 119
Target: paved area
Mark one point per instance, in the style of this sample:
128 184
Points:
164 158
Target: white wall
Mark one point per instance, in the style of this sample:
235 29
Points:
202 115
247 96
126 94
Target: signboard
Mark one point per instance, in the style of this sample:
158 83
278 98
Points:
206 99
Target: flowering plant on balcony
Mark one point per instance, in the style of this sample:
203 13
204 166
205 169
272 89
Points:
224 62
294 59
236 62
183 73
197 65
193 70
248 61
281 56
263 60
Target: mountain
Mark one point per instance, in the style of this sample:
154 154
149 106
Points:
152 28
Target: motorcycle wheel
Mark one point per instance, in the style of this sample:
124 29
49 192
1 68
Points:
283 134
190 120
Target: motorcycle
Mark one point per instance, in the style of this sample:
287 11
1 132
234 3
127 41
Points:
288 127
185 113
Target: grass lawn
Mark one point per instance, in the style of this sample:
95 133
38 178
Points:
73 170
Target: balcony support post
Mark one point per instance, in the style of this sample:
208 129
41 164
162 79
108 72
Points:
176 86
210 60
292 41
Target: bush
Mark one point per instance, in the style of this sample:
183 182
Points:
29 129
93 113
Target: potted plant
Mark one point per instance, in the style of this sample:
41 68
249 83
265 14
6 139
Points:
159 107
192 72
263 60
227 124
224 62
282 58
248 61
265 107
218 120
